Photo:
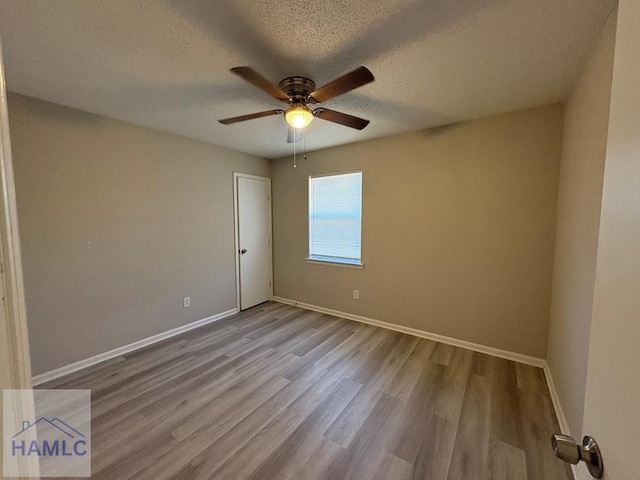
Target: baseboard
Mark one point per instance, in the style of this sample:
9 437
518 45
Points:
562 419
557 406
79 365
496 352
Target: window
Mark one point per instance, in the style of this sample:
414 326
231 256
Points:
335 218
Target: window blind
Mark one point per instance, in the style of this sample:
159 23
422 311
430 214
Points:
335 217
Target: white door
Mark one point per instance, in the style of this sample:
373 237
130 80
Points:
253 215
612 400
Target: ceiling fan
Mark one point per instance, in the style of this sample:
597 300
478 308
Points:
299 93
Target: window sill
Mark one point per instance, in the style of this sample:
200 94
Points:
335 262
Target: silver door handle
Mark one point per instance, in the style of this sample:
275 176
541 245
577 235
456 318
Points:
567 449
243 251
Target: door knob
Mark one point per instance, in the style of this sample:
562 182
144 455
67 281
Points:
567 449
243 251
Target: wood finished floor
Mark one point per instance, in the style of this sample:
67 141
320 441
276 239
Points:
277 392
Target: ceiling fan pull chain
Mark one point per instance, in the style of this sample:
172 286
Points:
294 155
304 144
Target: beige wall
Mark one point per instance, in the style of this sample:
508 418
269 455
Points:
579 198
458 229
612 399
118 224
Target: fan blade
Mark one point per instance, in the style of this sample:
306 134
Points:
294 135
341 118
251 116
257 80
360 76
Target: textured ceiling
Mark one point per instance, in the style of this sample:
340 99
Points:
165 63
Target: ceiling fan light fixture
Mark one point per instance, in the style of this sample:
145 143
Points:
299 116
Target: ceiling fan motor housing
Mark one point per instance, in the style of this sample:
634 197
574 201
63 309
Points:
298 88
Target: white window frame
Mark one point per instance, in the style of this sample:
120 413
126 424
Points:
333 261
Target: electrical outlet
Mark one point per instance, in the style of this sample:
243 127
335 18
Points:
186 302
356 294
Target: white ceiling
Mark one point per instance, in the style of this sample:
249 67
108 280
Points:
165 63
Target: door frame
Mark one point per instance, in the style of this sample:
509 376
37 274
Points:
11 267
15 340
236 232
